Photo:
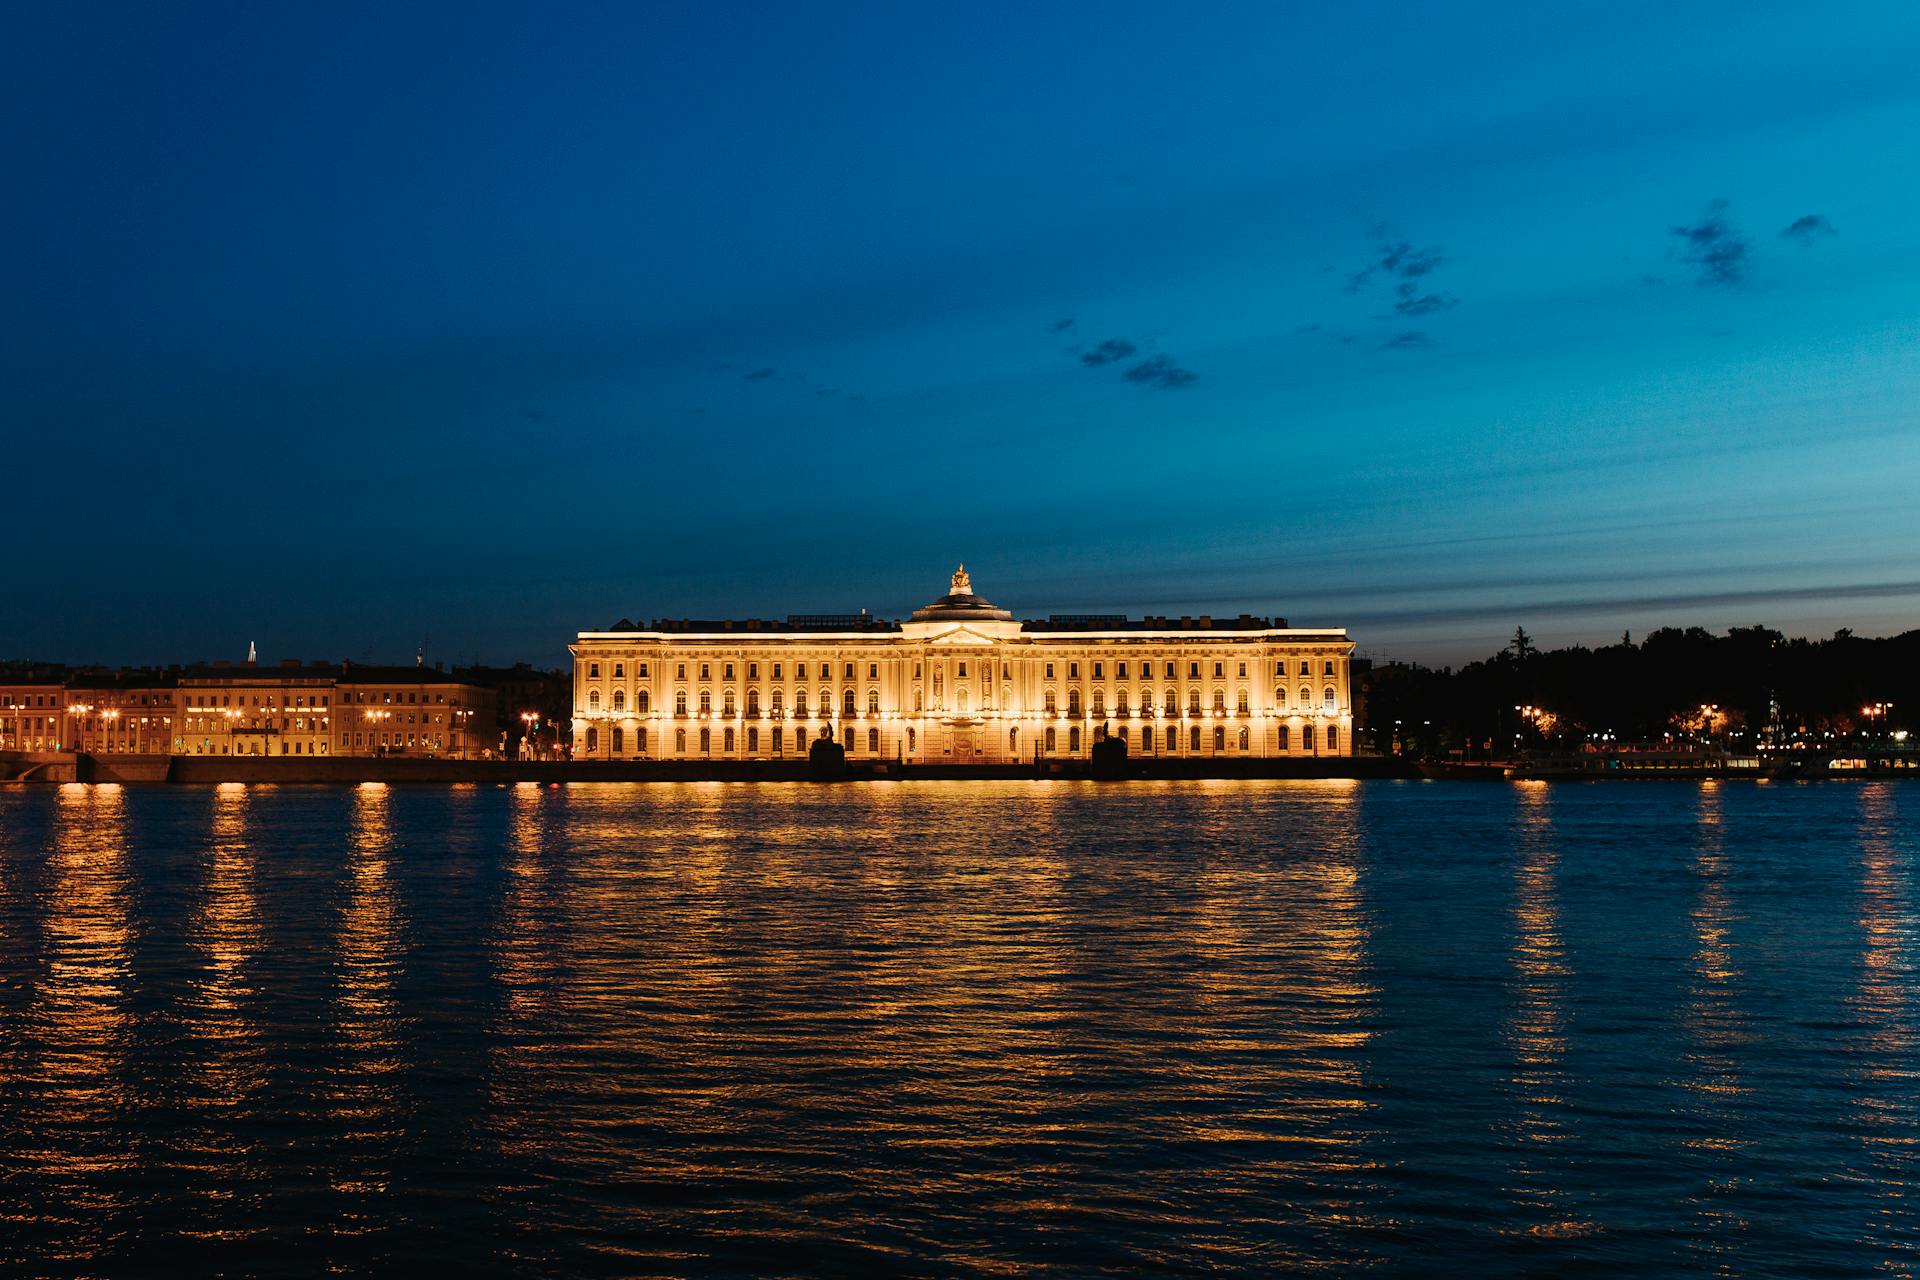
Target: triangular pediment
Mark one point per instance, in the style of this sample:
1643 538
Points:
961 635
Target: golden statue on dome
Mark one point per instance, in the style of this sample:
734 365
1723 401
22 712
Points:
962 584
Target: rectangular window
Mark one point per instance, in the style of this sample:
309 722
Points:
640 669
753 671
1193 671
1120 670
1098 672
593 671
1243 671
619 670
776 671
729 674
1073 671
873 671
706 671
1049 671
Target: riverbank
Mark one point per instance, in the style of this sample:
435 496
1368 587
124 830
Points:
204 770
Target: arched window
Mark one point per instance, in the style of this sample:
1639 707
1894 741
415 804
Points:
619 740
641 703
1099 703
848 705
799 704
1219 738
779 703
1050 740
1245 740
1120 704
640 740
1306 698
960 700
1073 740
1173 740
1013 743
726 704
753 740
1333 737
1280 699
1219 702
679 702
753 703
1193 702
593 739
846 737
706 742
1173 703
873 702
593 699
1306 737
1193 739
1327 698
619 699
706 701
679 742
1283 737
727 740
1051 702
1243 706
826 709
873 742
1073 703
911 738
1146 738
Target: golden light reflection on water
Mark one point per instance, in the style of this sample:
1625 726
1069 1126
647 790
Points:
81 1015
1537 1029
365 1098
1715 1023
1887 1107
226 1064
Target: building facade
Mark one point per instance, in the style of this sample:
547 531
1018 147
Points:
323 709
961 681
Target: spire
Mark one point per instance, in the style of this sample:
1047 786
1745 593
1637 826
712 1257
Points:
962 584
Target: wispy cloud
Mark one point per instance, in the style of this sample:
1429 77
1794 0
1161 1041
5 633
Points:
757 375
1107 353
1713 246
1161 371
1808 230
1408 339
1405 266
1061 325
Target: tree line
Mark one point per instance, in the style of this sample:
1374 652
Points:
1750 684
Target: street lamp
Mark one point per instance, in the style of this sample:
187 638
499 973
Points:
1876 710
1707 712
532 720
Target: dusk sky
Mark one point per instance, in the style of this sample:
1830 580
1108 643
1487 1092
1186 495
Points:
336 328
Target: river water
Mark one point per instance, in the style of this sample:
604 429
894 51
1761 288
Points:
1402 1028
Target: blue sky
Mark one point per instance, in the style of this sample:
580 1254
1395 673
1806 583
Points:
340 327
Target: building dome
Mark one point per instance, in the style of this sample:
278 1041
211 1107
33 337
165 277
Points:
960 604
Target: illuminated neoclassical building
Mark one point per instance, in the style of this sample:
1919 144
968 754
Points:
961 681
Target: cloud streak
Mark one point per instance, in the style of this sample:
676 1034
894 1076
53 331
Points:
1108 352
1162 372
1721 256
1808 230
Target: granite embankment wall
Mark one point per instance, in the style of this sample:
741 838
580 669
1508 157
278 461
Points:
205 770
